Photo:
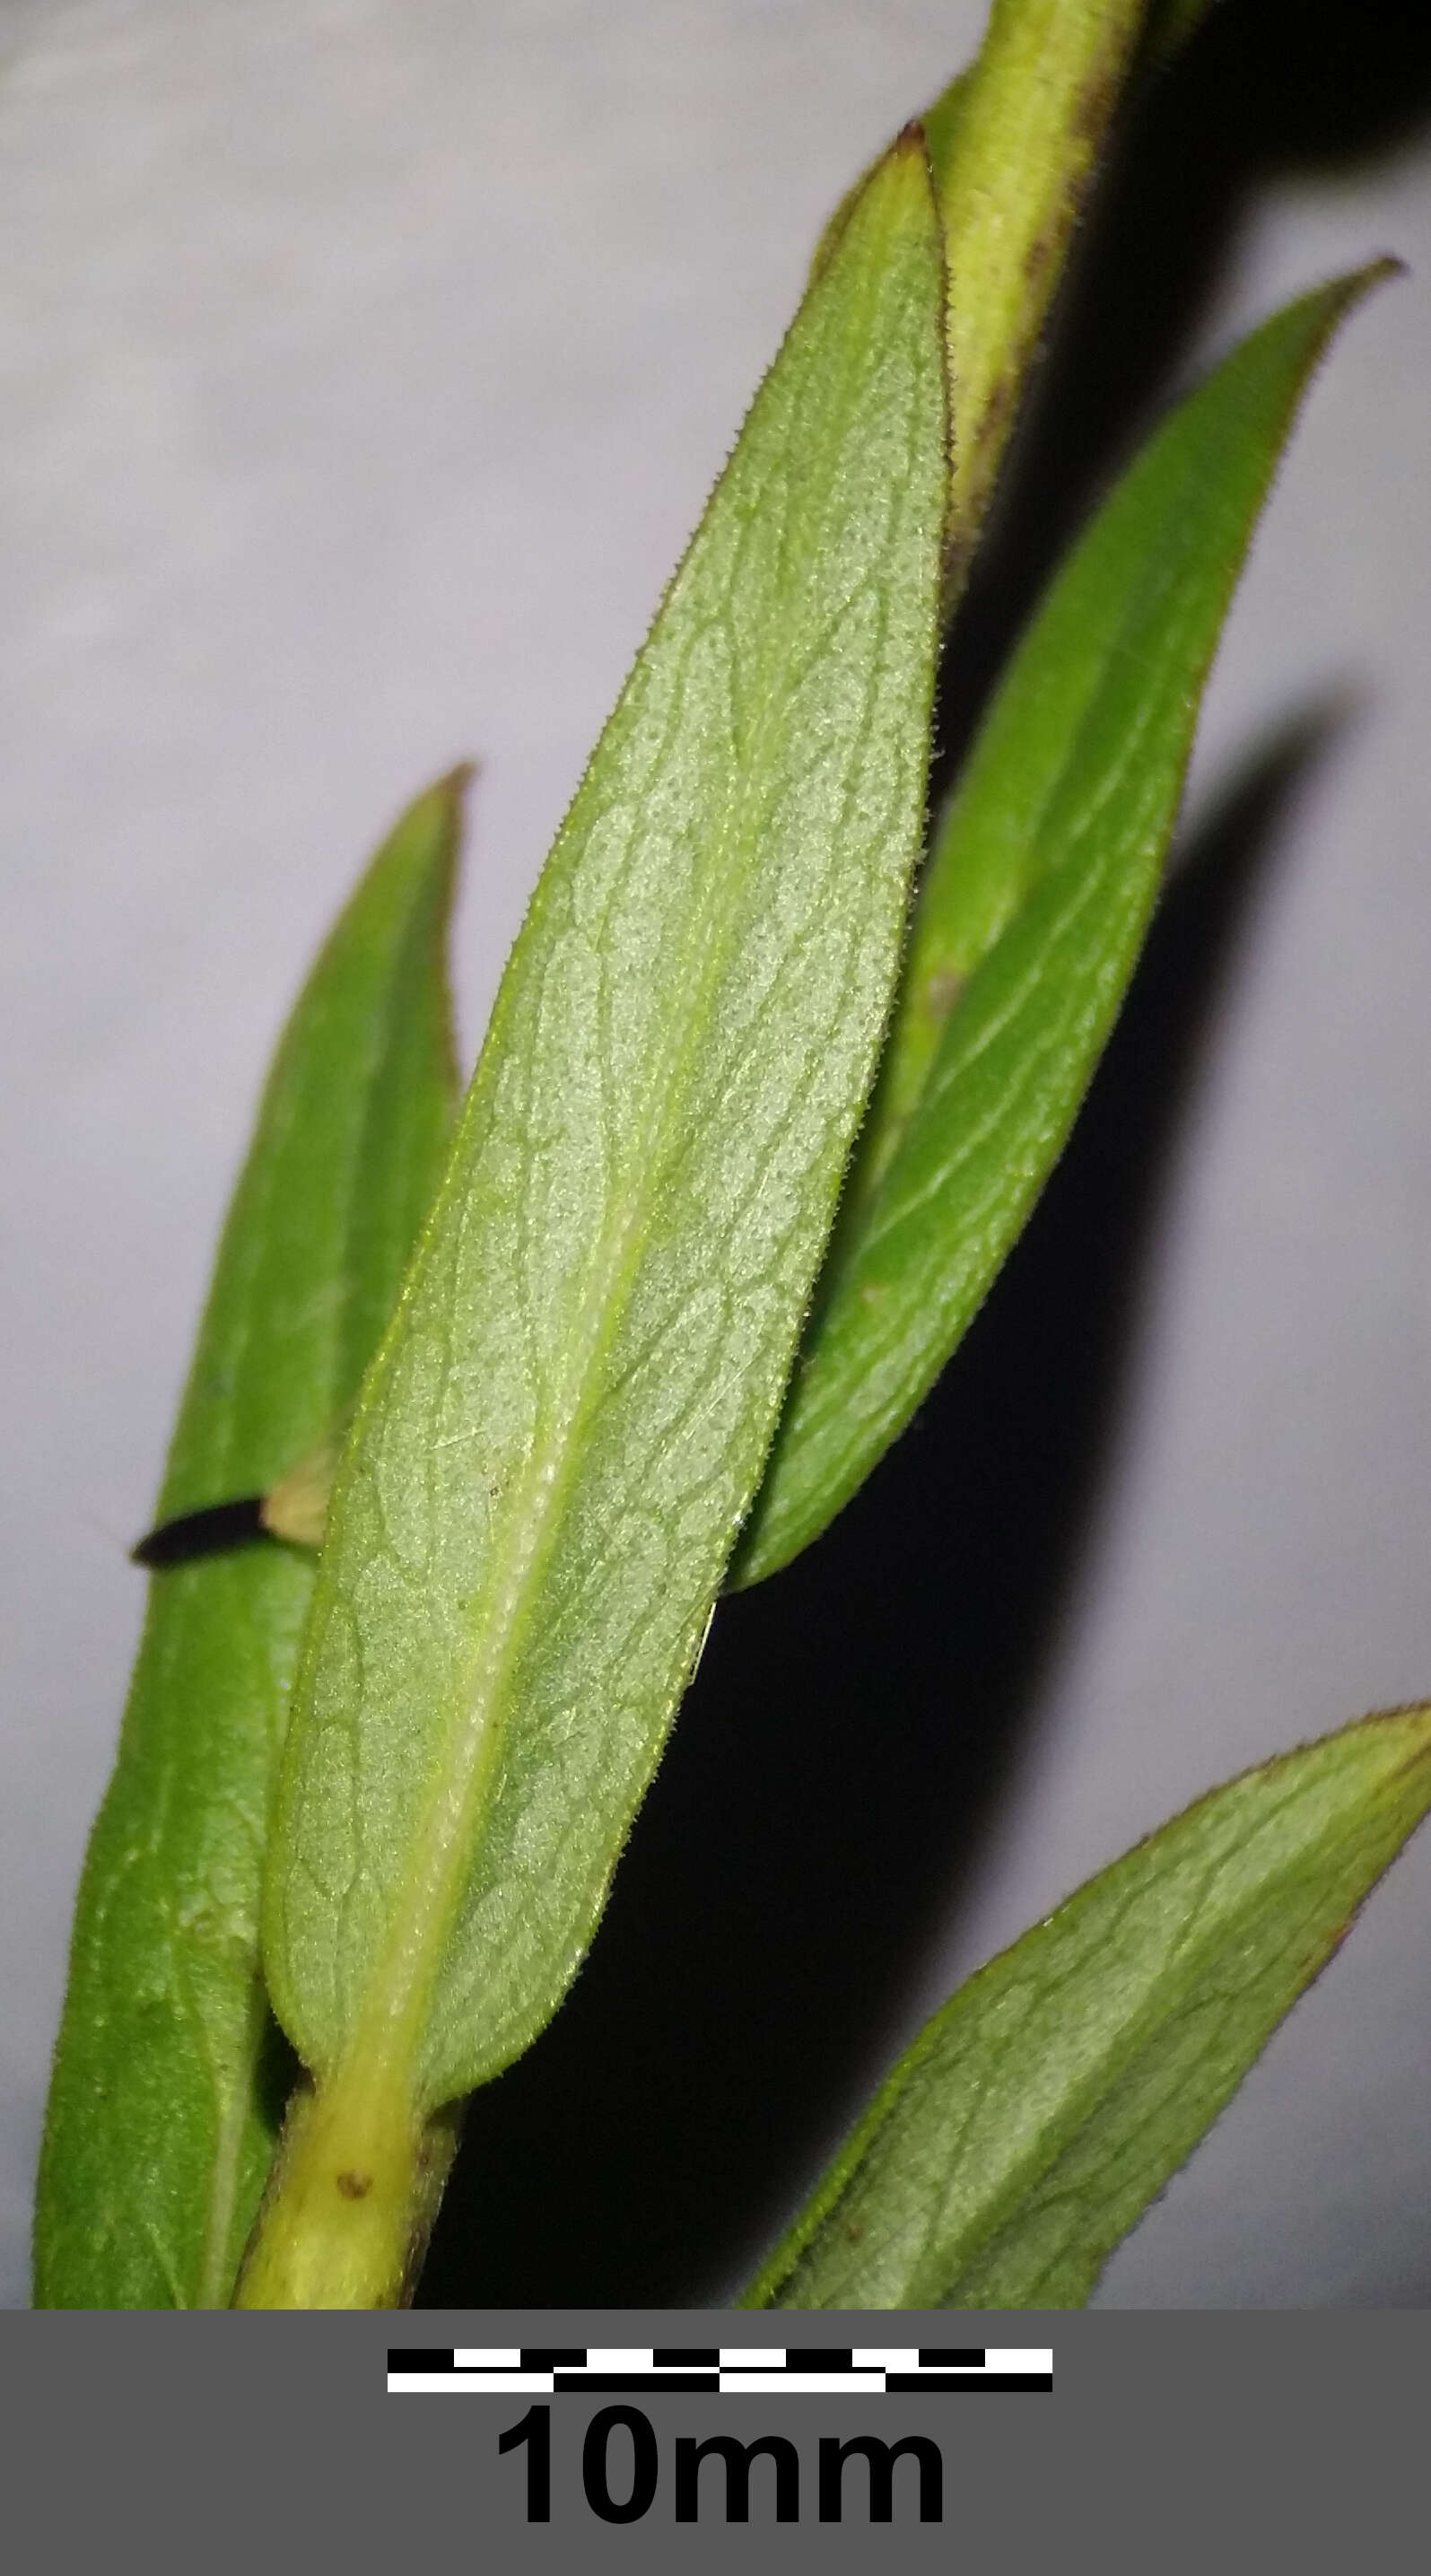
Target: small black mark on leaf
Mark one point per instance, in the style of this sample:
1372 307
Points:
205 1533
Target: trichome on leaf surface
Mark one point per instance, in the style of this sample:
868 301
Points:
773 1080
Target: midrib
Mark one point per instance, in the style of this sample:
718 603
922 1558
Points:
442 1841
428 1901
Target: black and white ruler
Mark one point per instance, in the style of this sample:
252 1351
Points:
726 2370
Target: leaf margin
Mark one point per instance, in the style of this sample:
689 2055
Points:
1404 1732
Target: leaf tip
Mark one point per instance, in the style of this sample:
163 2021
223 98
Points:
1351 290
455 782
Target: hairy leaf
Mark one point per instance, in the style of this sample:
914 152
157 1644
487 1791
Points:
1012 156
1038 2114
1033 910
162 2114
571 1411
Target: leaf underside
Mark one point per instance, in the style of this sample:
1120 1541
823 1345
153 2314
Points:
1046 2105
571 1410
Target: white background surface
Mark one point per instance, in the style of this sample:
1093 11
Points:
366 364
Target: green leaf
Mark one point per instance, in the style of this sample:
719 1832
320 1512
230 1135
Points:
1035 902
1041 2111
570 1414
1012 145
162 2119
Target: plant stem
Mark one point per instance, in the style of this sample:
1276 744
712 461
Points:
351 2202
